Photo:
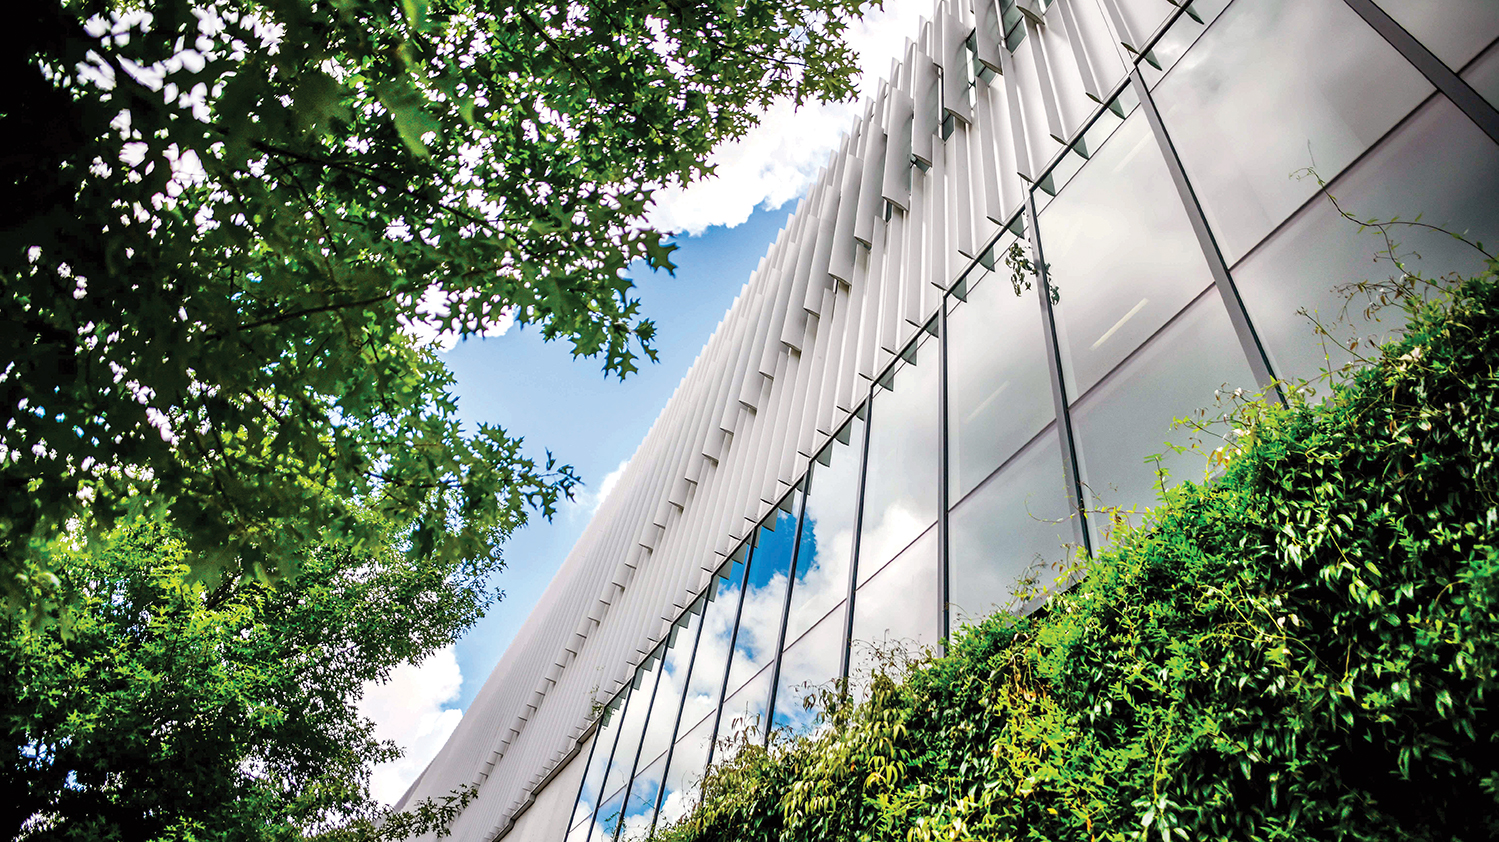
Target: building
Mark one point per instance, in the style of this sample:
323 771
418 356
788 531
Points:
893 426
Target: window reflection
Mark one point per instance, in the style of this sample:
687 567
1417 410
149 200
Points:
1012 535
999 385
895 611
828 531
631 727
1454 30
1121 253
900 498
673 681
742 719
640 807
1438 166
598 763
765 597
1273 87
607 819
679 791
809 662
701 695
706 681
1128 416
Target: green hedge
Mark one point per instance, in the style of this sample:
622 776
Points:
1306 649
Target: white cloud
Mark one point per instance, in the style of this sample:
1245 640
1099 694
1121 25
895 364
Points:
586 502
434 307
610 480
410 709
777 160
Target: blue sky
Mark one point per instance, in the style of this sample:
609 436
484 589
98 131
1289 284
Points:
538 390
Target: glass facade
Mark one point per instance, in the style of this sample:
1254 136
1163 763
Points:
1032 412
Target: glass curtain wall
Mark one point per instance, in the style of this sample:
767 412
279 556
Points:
632 727
1010 529
895 605
689 755
742 719
1251 95
645 787
1283 96
813 653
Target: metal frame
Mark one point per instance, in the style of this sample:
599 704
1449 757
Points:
944 583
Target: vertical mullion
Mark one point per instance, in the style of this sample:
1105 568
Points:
1249 340
645 726
1076 501
671 747
853 560
796 551
944 579
728 664
1444 78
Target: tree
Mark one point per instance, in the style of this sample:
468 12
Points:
170 709
224 212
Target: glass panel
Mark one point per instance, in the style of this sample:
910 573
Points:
901 480
706 682
765 601
608 817
1484 76
633 725
685 772
828 531
1273 87
809 662
598 762
640 808
897 608
743 717
999 385
1438 166
1127 418
1121 254
1454 30
1014 527
673 681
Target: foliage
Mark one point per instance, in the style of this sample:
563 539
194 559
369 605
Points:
1308 648
222 213
170 710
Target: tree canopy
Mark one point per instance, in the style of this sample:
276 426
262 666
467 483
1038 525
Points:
176 710
225 215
